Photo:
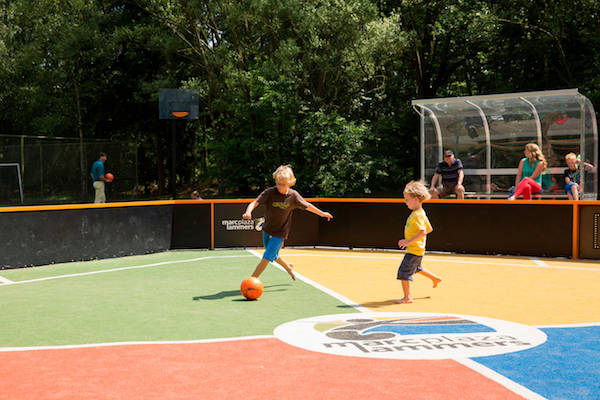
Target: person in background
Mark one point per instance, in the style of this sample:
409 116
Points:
573 176
99 179
529 175
451 171
196 195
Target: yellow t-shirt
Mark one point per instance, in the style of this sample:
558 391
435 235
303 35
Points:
417 221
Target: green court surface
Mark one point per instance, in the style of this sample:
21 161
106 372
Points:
174 325
171 296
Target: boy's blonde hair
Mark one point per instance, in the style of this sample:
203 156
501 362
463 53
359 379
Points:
417 189
571 156
285 173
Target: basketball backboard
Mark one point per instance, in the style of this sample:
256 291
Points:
177 104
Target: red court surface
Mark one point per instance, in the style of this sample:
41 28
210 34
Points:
262 368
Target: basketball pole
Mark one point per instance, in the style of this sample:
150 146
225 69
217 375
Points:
173 155
176 104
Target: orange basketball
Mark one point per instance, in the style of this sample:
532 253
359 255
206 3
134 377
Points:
252 288
109 176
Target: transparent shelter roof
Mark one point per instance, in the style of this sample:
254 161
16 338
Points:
488 134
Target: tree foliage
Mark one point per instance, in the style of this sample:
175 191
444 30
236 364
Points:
323 85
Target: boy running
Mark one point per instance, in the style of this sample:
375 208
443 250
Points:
280 201
415 234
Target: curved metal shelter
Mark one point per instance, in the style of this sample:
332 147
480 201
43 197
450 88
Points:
488 134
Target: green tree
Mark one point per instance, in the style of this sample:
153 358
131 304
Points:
323 85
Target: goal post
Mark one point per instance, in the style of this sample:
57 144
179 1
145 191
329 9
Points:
17 166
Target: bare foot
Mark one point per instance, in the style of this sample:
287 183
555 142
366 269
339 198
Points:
291 271
403 301
436 281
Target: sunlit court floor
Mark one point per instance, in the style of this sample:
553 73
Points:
174 325
534 291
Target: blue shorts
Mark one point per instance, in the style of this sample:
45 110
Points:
568 187
272 246
410 264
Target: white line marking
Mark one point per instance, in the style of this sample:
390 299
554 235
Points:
469 363
399 258
92 345
539 262
537 265
445 260
330 292
501 379
520 265
123 269
488 373
580 325
362 249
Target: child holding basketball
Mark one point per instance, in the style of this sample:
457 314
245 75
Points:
280 201
415 233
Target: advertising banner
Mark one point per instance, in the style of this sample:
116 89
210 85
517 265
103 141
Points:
589 231
231 230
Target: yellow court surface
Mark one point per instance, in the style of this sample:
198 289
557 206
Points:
532 291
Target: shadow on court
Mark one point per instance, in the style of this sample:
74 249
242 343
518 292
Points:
235 293
379 304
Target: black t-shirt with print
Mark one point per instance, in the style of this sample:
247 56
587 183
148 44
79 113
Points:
279 208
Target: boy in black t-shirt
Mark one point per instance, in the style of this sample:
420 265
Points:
573 175
280 201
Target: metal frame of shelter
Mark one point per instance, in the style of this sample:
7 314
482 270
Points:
495 128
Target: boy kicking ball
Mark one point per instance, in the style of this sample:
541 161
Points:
280 201
415 235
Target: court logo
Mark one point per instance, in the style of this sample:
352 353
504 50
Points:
243 224
258 224
409 335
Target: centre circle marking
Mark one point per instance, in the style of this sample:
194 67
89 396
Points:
409 335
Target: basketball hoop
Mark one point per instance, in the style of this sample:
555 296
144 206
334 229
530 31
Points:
180 114
178 104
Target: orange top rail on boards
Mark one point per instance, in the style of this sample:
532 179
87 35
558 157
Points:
558 228
39 235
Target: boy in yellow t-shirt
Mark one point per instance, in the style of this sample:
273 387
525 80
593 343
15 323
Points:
415 235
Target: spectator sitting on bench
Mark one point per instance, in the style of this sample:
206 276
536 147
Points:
573 176
451 171
531 169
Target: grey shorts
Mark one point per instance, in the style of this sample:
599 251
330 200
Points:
410 264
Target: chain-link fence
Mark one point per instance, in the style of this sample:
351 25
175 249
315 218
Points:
57 170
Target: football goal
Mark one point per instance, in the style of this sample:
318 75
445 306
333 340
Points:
13 168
